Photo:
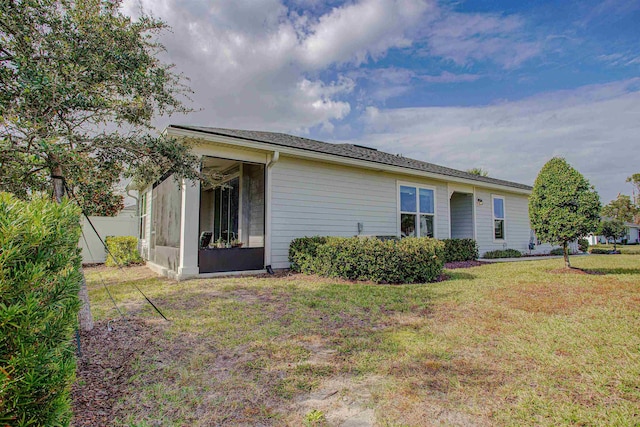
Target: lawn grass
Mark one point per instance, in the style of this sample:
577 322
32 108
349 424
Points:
624 249
499 344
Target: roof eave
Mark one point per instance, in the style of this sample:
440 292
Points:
331 158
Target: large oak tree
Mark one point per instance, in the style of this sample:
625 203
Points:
80 83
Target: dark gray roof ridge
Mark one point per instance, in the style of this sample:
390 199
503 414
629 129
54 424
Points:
348 150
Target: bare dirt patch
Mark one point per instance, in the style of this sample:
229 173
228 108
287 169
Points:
104 370
344 401
463 264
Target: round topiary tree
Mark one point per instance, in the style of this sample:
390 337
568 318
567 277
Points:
614 230
563 206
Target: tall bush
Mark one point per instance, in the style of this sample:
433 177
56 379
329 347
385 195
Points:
124 249
39 282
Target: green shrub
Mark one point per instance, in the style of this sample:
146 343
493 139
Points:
460 250
583 245
39 282
124 249
603 251
409 260
502 253
302 252
556 251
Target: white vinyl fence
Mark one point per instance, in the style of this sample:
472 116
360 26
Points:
121 225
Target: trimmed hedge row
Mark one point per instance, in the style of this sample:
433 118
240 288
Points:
303 252
409 260
39 282
124 249
600 251
460 250
502 253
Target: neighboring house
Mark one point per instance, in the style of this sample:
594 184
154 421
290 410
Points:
274 187
633 233
123 224
632 237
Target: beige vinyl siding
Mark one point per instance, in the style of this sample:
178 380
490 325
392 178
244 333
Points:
461 206
312 198
517 227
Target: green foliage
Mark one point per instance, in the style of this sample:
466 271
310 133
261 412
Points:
583 245
601 251
315 418
502 253
563 206
460 250
556 251
303 251
478 172
69 68
635 181
409 260
39 282
613 229
633 249
124 249
621 209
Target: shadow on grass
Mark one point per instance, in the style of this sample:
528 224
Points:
614 270
458 275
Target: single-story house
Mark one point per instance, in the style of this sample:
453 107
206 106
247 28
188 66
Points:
632 236
273 187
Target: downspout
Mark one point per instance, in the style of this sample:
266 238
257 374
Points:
267 234
128 190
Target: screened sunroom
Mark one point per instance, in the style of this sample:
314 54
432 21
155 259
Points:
232 212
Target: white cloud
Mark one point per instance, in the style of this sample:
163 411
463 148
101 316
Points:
256 63
447 77
465 38
620 59
594 127
253 63
354 32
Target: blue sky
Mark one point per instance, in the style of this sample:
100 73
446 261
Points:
502 85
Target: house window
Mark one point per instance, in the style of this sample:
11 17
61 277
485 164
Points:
498 218
143 216
416 211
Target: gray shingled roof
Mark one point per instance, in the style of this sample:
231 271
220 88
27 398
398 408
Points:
347 150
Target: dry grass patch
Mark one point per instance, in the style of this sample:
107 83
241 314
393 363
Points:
507 344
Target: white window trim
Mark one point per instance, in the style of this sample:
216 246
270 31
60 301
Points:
435 206
143 225
504 219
